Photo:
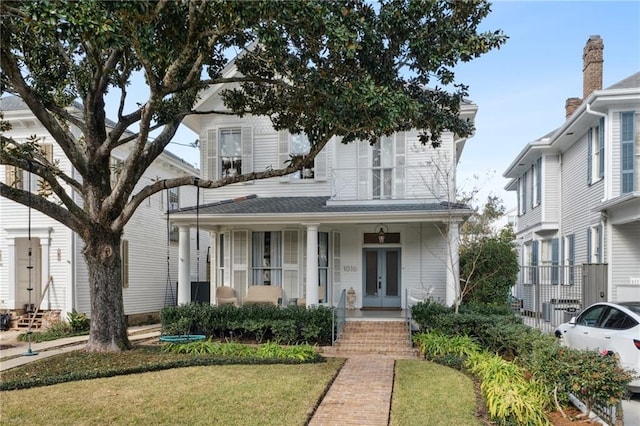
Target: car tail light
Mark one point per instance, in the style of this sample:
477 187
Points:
637 343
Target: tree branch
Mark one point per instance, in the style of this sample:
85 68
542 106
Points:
44 206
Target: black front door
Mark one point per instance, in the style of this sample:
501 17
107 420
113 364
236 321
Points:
381 278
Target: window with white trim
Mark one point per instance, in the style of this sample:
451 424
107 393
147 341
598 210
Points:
23 179
174 198
231 152
594 244
627 153
595 152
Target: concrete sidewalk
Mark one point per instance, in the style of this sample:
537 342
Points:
16 357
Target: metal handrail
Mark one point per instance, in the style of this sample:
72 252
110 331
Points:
339 318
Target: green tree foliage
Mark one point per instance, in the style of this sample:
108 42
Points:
350 68
488 258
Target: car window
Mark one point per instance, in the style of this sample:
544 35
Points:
615 319
591 316
628 323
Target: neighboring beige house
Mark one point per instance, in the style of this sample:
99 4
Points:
57 252
376 219
578 189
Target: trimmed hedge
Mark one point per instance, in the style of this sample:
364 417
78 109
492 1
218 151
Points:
256 323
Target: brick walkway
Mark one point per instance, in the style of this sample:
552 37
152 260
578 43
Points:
360 395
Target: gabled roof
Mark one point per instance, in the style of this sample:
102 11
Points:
557 140
630 82
254 209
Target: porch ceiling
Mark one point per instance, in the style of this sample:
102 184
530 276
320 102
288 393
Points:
286 210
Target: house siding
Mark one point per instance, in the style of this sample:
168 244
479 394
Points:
550 185
146 233
625 252
579 198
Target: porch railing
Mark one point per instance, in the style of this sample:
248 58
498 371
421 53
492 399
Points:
339 317
394 183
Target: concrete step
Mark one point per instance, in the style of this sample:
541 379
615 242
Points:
388 338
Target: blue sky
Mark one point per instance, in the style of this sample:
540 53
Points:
521 88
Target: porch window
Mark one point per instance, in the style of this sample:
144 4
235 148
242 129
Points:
569 259
594 244
323 265
266 258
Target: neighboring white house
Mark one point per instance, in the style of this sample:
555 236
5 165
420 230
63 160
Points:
379 219
149 280
578 191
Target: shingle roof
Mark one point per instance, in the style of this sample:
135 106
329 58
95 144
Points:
628 83
253 204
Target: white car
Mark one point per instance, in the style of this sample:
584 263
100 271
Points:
610 328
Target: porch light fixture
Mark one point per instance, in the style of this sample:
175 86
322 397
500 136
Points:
381 233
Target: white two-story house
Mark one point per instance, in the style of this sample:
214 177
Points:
379 219
579 201
150 249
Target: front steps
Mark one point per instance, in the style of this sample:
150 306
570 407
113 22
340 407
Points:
386 338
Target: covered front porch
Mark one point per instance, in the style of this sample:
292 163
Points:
314 250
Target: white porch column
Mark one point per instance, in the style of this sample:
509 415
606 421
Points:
213 266
44 273
312 263
453 264
184 265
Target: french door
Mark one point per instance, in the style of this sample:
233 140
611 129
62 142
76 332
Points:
381 278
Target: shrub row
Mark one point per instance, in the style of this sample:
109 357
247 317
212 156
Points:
289 325
453 339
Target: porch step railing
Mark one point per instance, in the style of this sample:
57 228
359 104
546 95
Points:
339 318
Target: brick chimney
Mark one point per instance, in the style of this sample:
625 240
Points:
592 60
571 105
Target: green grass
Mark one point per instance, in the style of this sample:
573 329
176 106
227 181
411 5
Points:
274 394
425 393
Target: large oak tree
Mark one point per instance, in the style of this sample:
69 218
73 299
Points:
351 69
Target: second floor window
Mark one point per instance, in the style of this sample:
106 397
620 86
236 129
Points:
174 198
595 152
231 152
627 154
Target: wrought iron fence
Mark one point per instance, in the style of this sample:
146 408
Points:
551 295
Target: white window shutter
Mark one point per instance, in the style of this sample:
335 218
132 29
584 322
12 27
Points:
247 150
336 266
226 258
320 164
284 148
400 165
240 262
364 169
212 155
290 264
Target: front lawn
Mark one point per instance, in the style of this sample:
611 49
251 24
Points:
275 394
425 393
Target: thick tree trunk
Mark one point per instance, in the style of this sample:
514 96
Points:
108 324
